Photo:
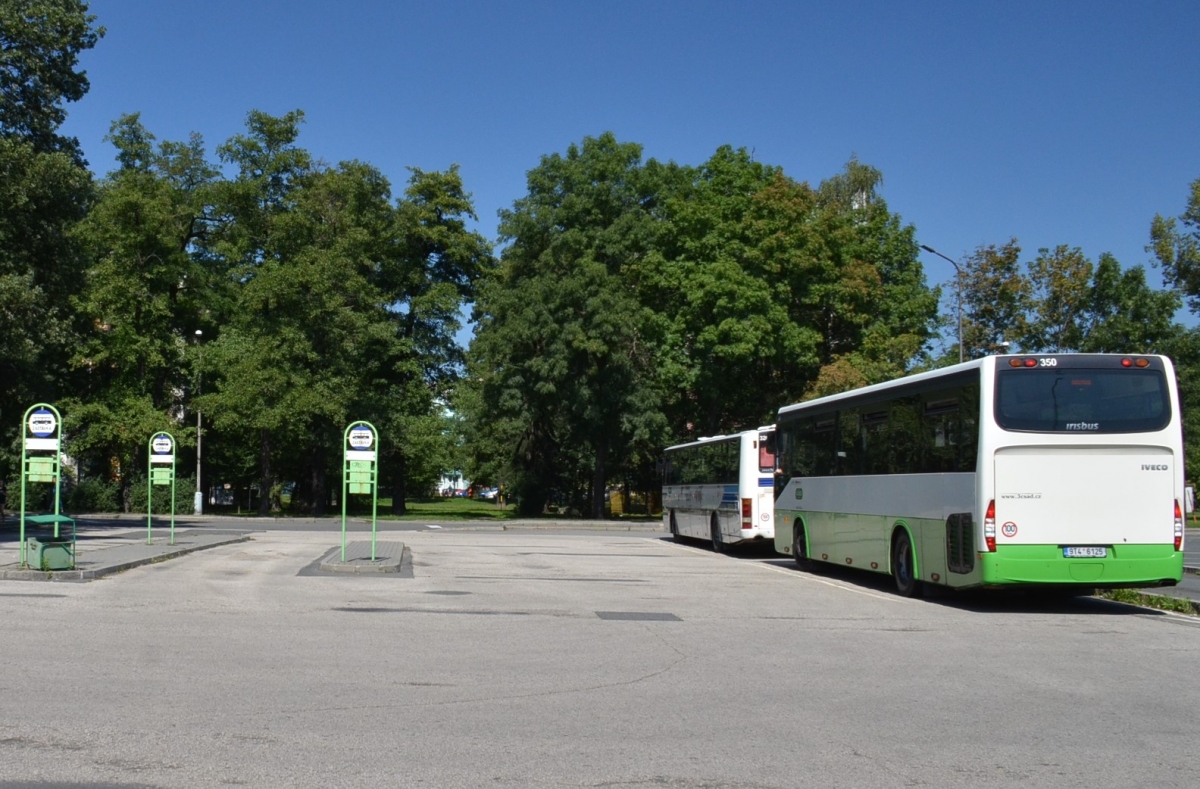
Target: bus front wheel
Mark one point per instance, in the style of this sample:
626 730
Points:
718 545
903 565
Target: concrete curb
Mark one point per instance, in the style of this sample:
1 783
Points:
389 556
100 572
1195 604
583 526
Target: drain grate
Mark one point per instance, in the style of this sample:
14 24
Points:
638 616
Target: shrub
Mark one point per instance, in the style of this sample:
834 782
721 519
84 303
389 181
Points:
185 488
94 495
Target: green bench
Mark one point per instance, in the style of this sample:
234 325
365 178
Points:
51 553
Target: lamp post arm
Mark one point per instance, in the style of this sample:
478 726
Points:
958 280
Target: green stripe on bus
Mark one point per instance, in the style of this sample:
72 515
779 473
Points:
1045 564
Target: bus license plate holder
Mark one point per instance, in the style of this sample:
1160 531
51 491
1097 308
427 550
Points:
1085 552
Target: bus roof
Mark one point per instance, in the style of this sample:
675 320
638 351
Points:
725 437
866 391
788 413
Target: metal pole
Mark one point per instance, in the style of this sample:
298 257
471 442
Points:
958 282
198 501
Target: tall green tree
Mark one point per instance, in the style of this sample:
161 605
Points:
641 303
342 307
44 191
40 44
716 285
1060 281
1176 246
295 241
996 299
145 291
1125 315
870 301
435 264
558 353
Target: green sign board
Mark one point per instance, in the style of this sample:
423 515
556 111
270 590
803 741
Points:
360 472
160 454
41 447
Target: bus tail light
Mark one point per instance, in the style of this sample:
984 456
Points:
747 514
1178 526
989 526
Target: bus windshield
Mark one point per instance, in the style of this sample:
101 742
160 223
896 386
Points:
1046 400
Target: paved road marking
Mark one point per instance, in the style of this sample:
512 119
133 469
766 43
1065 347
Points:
792 574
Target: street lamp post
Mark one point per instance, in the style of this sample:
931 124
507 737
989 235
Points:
198 502
958 280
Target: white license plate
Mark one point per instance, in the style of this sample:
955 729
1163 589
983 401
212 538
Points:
1085 552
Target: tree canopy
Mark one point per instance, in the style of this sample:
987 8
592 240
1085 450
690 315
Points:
642 303
635 303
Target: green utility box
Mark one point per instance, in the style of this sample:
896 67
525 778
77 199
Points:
50 553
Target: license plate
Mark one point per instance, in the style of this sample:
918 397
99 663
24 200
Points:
1085 552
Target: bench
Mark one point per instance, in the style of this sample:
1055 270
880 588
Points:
52 553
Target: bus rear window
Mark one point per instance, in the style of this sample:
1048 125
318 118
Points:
1079 400
766 453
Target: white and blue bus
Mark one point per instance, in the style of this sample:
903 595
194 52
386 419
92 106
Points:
1056 470
721 488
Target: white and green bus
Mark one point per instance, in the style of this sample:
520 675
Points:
721 488
1064 471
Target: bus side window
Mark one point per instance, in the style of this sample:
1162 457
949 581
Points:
731 461
822 439
875 442
905 436
941 433
783 459
951 421
849 444
968 410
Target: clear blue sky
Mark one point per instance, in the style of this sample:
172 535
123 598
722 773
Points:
1054 122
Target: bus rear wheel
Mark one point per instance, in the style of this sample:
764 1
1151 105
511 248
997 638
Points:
903 566
800 550
718 545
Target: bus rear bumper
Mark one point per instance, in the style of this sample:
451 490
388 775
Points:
1125 565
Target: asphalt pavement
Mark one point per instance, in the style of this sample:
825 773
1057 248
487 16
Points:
108 544
543 659
103 548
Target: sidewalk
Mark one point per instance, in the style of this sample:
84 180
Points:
103 550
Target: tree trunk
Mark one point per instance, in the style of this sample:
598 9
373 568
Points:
399 480
320 487
311 484
598 480
264 469
302 495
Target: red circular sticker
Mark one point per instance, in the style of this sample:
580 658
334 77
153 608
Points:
1009 529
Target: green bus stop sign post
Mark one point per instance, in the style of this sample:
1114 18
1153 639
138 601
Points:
161 454
360 472
41 445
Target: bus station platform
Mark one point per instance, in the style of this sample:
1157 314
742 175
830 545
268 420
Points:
103 549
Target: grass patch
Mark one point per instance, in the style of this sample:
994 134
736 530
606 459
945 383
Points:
1161 602
452 509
